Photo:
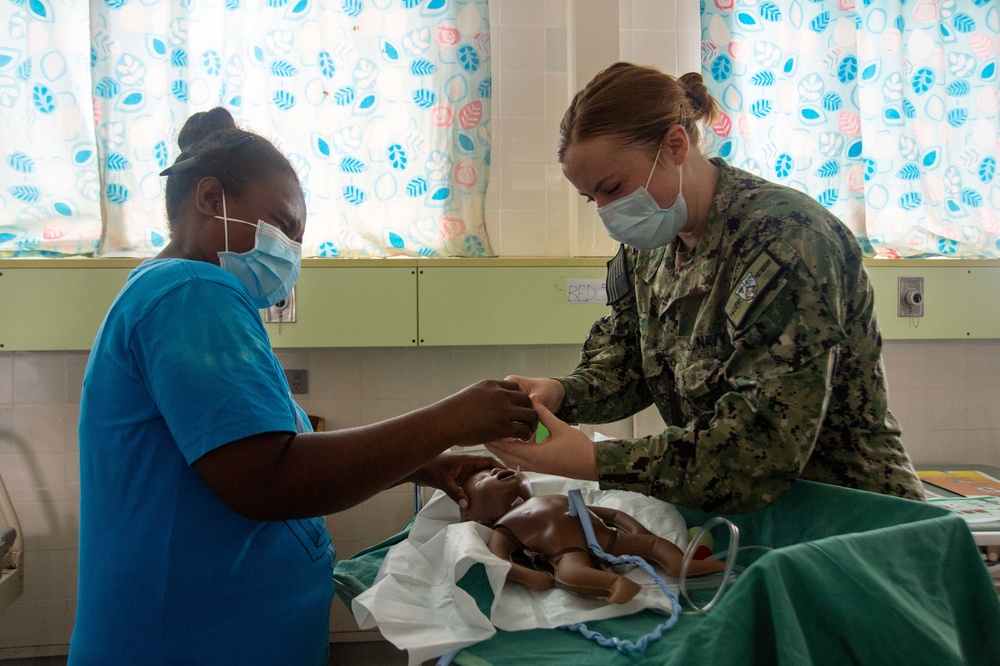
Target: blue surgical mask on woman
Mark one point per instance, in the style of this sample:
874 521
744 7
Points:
270 269
638 221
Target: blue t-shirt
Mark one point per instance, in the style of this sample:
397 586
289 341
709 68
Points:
168 573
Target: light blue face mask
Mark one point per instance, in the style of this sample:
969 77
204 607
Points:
270 269
638 221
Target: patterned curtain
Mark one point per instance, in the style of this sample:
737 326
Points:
382 106
49 184
888 113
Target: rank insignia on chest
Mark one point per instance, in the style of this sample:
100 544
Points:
755 280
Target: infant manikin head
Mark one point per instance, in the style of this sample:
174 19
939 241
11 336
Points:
493 492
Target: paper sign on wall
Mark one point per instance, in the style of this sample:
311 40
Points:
582 292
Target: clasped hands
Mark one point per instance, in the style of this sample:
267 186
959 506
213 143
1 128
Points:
565 452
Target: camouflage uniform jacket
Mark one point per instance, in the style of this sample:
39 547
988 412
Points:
761 351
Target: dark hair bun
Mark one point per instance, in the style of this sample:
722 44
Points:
201 125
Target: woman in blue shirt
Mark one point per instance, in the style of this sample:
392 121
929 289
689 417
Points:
201 481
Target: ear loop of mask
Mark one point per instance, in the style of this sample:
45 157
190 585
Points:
225 220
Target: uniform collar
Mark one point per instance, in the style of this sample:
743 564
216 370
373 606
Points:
697 273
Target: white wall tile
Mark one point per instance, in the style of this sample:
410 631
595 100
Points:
385 515
688 16
49 574
555 12
334 374
49 525
557 236
39 378
373 411
523 188
983 447
983 407
946 363
653 15
523 94
557 98
983 358
905 364
927 447
8 443
45 622
557 190
522 48
293 359
432 371
384 373
346 526
35 477
473 364
656 49
909 406
520 12
6 379
524 360
337 413
947 409
41 429
562 359
688 52
556 55
524 233
76 365
522 142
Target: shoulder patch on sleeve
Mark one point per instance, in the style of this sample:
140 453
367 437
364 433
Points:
619 283
752 284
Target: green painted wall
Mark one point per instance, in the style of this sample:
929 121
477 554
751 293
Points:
59 304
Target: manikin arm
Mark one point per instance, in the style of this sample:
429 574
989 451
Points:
623 521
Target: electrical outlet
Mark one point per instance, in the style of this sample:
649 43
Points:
911 297
298 380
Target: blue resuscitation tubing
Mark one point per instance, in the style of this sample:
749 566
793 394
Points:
578 508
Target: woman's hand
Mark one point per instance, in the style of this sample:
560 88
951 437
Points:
450 471
550 392
488 410
565 452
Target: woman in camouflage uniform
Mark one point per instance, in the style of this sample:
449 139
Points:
740 308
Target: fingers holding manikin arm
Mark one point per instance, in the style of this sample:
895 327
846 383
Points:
565 452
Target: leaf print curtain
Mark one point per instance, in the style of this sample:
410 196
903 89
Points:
382 107
49 183
887 112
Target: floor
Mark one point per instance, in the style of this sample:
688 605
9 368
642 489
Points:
341 654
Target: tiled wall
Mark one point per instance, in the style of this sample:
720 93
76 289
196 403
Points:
945 392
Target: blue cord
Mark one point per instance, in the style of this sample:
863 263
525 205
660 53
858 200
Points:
578 508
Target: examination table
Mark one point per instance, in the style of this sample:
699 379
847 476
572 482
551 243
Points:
853 577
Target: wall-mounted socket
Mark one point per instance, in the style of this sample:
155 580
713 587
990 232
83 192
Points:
911 297
283 311
298 380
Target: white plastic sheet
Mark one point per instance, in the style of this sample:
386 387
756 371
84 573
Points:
418 606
